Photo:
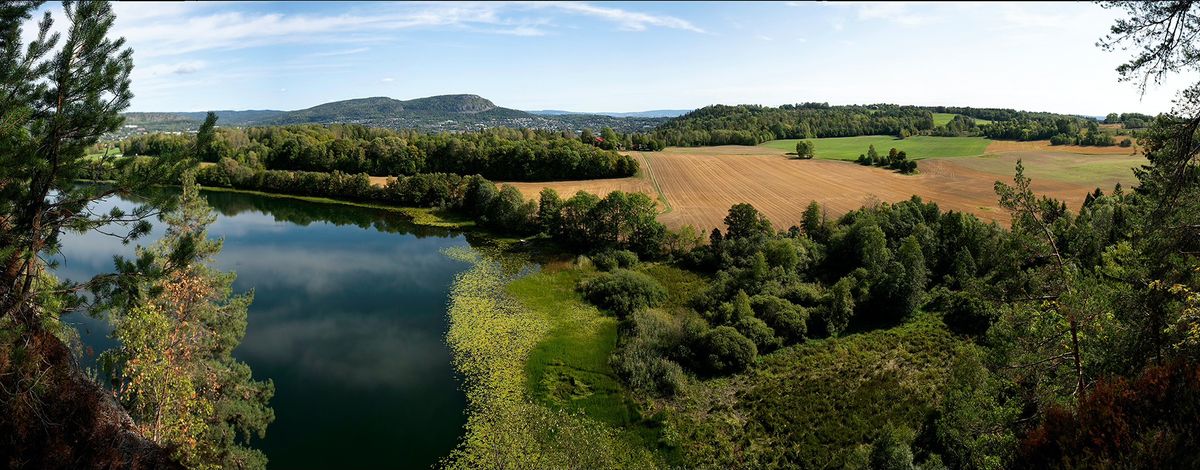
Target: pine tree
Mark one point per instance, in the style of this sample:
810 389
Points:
55 102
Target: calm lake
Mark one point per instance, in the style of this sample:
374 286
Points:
348 320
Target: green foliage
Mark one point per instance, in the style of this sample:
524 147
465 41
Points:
812 404
644 358
609 260
623 292
177 328
619 220
727 351
505 154
973 426
752 125
804 150
840 306
500 341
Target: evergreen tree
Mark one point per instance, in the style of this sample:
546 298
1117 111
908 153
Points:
174 368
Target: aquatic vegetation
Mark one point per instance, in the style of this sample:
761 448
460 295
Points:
491 335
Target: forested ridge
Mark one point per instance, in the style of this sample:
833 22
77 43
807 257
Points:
754 124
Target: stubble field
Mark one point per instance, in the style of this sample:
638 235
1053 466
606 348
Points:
696 186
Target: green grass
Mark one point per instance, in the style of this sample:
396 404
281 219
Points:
940 119
681 284
1077 169
804 405
918 147
569 367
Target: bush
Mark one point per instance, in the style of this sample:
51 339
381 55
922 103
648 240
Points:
1061 139
644 360
727 351
612 259
623 292
757 331
1126 142
787 320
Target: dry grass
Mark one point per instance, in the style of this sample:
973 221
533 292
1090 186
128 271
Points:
701 184
1003 146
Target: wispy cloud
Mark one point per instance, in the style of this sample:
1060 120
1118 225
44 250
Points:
174 29
629 20
340 52
388 79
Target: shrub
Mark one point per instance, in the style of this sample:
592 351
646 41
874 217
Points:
757 331
1126 142
787 320
623 292
1061 139
612 259
644 360
727 351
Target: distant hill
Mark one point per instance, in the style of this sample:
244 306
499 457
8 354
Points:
434 113
655 113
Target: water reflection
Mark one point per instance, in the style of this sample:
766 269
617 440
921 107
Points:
348 320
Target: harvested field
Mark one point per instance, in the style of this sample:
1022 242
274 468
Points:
702 183
1002 146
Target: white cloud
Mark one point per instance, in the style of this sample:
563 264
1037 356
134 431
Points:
174 29
388 79
629 20
763 37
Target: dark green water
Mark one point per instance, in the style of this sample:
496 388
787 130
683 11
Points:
348 319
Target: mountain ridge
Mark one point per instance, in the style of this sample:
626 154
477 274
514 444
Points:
455 113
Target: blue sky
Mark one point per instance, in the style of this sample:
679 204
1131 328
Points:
628 56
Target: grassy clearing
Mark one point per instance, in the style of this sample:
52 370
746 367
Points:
681 284
569 368
1090 170
918 147
940 119
495 332
806 405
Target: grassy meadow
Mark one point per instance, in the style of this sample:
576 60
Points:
940 119
918 147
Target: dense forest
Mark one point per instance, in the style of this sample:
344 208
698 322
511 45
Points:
752 124
1059 130
503 154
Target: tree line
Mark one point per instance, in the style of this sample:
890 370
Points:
505 154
